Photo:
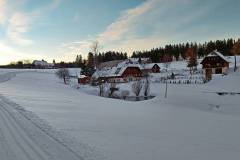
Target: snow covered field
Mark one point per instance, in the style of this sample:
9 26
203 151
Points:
192 123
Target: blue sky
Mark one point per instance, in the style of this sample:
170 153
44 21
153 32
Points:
60 29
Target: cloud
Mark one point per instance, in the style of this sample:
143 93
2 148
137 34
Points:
114 32
121 26
3 6
19 24
152 24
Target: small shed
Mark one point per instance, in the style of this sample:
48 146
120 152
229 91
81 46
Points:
82 79
214 63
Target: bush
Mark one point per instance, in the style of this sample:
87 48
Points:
124 94
63 73
112 89
146 88
137 87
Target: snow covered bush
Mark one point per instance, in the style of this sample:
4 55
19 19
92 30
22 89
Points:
112 89
63 73
137 87
101 89
146 87
124 94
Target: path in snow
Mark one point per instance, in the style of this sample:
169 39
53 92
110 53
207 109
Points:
21 139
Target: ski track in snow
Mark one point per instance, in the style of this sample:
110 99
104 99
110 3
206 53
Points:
23 136
21 139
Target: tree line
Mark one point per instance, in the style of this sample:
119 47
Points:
178 51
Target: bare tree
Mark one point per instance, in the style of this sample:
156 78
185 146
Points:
147 88
137 87
101 89
166 65
236 51
95 48
146 85
63 73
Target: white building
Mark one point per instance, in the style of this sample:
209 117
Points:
42 64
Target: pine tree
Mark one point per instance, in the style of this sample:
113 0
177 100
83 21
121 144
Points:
90 60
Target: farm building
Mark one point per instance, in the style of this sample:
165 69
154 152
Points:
214 63
42 64
151 68
123 72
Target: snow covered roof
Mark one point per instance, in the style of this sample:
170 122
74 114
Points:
74 72
110 64
144 60
81 76
149 65
115 71
42 63
216 53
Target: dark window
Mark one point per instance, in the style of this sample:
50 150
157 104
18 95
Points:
218 71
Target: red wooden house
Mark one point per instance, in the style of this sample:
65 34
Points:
119 74
214 63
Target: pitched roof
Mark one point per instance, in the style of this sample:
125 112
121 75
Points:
149 65
114 71
42 63
216 53
110 64
144 60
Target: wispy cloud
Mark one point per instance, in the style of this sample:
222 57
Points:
154 23
16 25
116 31
121 26
3 6
19 24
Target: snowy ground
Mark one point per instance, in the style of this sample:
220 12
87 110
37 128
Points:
192 123
23 139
